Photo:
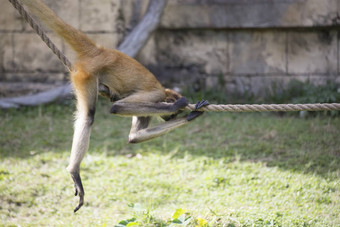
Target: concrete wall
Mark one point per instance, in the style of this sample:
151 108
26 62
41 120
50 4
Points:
246 44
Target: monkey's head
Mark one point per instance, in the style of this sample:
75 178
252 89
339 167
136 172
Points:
171 96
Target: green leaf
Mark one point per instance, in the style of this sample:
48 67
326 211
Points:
132 224
178 213
202 222
177 221
126 222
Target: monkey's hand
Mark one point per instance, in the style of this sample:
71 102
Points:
79 190
180 103
176 108
193 114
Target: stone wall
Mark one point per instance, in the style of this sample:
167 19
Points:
243 45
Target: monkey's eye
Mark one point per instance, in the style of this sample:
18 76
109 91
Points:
170 100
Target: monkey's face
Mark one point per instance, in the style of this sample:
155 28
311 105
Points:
171 96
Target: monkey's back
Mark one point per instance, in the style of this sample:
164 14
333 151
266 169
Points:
122 74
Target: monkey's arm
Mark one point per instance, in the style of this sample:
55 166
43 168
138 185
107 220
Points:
147 108
140 132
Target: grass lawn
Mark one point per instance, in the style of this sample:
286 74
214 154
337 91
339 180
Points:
245 169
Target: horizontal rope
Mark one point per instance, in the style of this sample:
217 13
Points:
266 107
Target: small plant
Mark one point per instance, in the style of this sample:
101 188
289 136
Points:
126 223
142 217
181 217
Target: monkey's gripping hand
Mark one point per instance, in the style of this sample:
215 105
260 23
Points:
193 114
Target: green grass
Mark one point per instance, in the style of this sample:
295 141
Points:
222 170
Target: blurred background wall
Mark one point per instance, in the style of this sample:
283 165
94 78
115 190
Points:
237 45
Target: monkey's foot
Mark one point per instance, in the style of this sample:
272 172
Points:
81 198
79 190
193 114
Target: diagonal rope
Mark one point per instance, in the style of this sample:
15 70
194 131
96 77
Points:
266 107
41 33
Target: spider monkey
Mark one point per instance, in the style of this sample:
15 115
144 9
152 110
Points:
133 90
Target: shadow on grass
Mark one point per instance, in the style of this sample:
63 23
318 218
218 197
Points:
307 145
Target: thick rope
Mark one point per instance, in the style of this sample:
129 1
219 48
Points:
267 107
41 33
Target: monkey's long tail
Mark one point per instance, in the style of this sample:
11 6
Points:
79 42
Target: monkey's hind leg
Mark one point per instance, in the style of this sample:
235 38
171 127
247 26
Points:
86 92
193 114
